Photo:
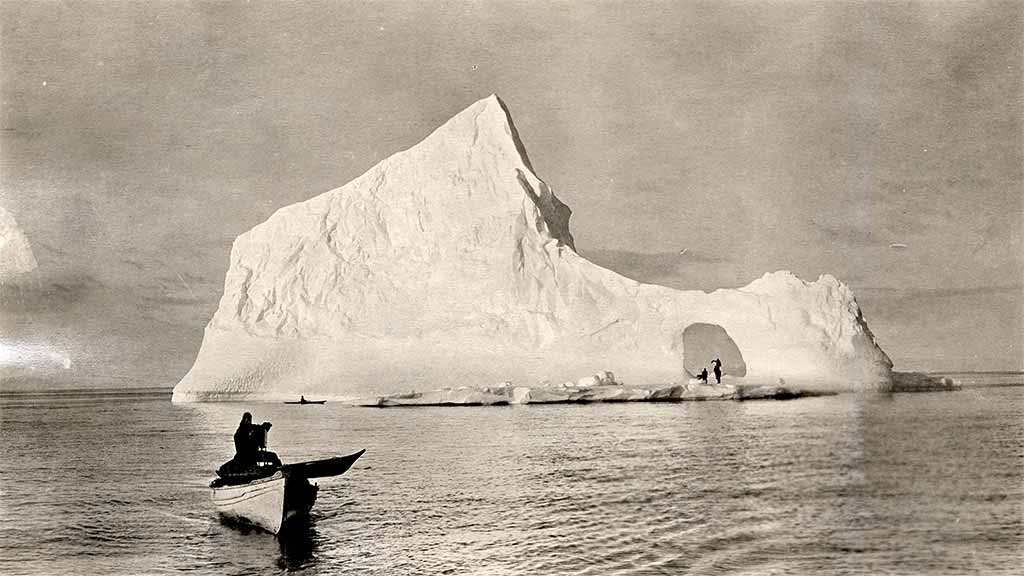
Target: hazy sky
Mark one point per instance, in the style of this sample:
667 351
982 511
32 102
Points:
140 138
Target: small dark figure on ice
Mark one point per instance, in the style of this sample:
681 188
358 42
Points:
717 364
703 375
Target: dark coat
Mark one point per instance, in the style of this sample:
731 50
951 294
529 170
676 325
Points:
244 444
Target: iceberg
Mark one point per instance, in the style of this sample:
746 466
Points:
16 256
451 265
21 357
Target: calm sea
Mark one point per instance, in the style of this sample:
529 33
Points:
116 483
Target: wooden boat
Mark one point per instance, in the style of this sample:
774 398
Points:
304 401
273 501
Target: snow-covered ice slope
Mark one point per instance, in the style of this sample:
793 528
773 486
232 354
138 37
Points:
452 264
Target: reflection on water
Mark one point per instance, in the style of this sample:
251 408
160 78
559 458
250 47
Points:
298 545
917 483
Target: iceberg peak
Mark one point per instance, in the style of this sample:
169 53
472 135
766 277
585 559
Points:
486 127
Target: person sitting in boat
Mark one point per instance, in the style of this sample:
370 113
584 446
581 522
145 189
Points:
244 447
251 455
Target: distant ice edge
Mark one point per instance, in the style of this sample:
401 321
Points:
452 265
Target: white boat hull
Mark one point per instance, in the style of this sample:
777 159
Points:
261 502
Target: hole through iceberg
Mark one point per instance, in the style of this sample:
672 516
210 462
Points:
703 342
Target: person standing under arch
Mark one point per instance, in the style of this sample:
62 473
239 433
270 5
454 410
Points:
717 364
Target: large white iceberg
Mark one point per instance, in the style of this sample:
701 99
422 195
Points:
451 264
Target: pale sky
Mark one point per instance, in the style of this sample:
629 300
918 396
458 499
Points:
140 138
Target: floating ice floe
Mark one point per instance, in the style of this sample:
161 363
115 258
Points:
587 390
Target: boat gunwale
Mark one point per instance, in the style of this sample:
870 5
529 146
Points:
226 500
278 475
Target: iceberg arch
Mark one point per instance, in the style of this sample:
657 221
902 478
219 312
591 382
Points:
703 342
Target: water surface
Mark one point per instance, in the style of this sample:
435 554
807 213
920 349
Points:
116 483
